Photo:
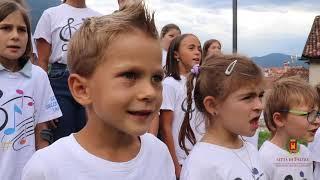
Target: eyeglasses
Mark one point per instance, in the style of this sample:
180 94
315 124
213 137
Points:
311 116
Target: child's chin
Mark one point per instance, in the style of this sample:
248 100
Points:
139 132
250 133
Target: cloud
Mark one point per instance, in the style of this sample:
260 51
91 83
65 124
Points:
264 26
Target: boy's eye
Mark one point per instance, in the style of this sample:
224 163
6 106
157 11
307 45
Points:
130 75
261 96
247 98
157 78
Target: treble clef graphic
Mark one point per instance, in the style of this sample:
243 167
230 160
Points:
5 115
66 33
5 118
184 108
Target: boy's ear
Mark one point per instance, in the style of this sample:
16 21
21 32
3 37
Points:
209 103
278 120
78 86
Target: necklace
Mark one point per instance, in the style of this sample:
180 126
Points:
253 171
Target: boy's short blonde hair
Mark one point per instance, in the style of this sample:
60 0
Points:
285 94
90 43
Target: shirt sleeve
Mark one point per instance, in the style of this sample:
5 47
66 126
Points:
43 28
33 170
46 104
169 97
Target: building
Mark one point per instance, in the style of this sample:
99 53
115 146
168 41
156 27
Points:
311 52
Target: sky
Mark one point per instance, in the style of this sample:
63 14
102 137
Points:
264 26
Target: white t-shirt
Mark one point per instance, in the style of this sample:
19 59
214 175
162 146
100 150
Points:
174 99
280 164
57 25
26 99
253 140
212 162
314 147
67 160
317 170
164 57
34 47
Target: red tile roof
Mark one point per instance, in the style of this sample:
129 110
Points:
312 47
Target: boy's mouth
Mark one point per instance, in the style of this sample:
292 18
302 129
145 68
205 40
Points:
141 113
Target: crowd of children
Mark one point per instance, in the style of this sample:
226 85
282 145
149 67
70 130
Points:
115 78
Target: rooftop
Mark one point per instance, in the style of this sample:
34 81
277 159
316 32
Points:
312 47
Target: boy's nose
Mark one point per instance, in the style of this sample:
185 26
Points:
148 92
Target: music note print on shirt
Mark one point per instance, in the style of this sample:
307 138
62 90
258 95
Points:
67 31
17 116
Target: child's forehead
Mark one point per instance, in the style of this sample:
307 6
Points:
190 39
302 104
257 89
132 48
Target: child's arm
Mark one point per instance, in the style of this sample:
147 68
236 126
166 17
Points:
44 52
154 126
40 142
166 119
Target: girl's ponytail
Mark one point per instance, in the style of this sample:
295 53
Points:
186 130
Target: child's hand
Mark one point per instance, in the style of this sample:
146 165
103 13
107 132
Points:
178 170
53 124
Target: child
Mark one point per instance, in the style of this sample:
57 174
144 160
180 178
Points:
24 106
210 47
168 33
291 114
53 32
184 52
228 91
315 154
315 146
33 55
119 83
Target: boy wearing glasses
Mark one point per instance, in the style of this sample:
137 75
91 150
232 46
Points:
315 148
291 114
